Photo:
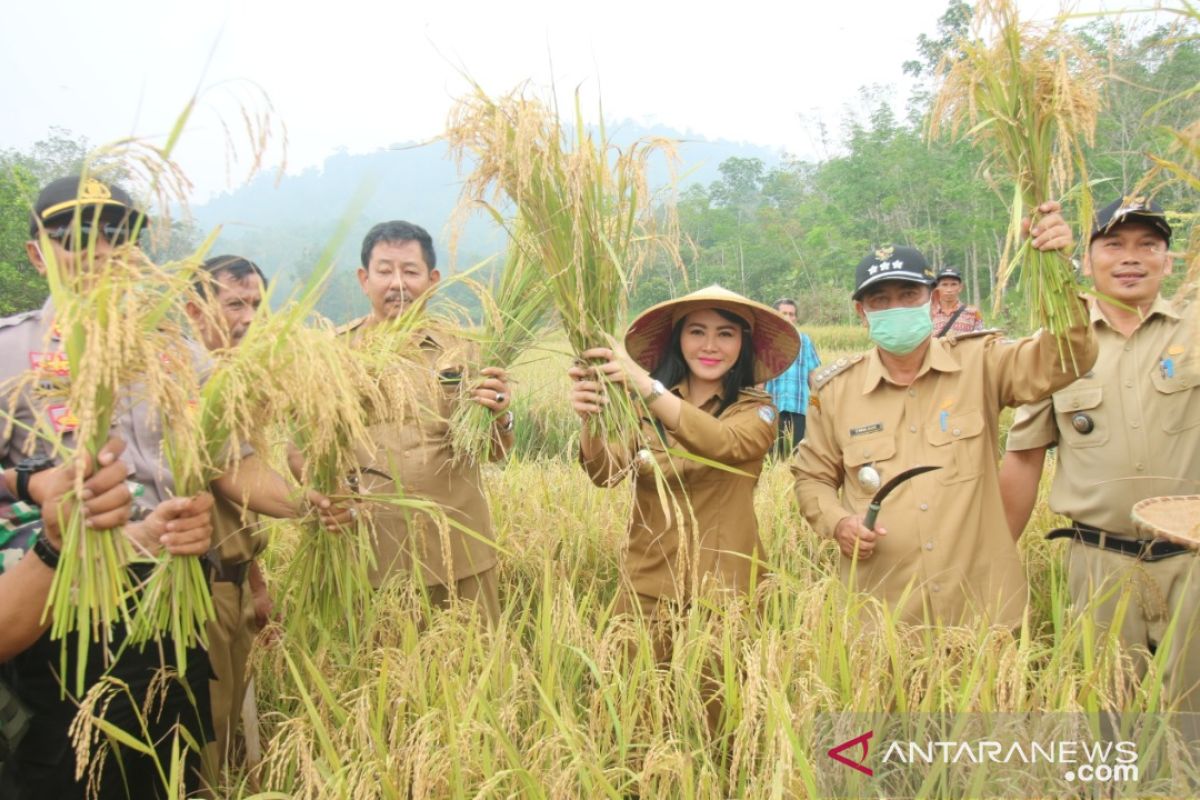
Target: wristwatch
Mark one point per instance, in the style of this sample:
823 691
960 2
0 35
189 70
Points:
26 470
506 421
657 390
45 551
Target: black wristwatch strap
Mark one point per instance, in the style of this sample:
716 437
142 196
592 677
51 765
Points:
45 551
26 470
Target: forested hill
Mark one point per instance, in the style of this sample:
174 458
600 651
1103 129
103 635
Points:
760 223
286 226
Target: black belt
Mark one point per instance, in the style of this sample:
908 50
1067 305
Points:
221 572
1141 549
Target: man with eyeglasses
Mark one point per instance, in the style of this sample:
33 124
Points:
1126 431
940 551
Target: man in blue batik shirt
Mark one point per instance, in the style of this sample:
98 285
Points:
790 390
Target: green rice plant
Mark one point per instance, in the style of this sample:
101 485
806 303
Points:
514 318
124 348
1029 96
583 212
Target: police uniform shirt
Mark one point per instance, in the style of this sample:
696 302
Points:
1127 430
946 530
706 530
27 342
416 453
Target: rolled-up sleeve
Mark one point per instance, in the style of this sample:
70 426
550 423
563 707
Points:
744 435
1033 426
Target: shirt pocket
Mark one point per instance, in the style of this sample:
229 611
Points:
878 452
959 447
1082 418
1178 409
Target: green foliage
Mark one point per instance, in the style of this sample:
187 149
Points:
22 174
799 230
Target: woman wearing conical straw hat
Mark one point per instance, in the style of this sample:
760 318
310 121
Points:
694 361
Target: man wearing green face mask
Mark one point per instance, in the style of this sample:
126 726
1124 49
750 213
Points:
940 549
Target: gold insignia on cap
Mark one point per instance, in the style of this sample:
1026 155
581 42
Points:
884 253
929 272
94 190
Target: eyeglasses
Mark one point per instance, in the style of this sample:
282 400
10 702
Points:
72 237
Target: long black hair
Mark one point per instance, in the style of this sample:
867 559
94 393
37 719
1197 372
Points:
672 368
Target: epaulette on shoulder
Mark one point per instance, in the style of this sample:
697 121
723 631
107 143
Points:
350 326
17 319
953 337
753 393
828 373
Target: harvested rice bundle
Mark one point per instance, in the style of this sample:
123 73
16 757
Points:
1029 96
583 212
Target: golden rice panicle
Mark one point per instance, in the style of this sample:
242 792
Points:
583 210
1029 96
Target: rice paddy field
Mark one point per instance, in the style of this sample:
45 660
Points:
563 700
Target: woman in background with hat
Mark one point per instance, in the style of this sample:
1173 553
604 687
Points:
694 361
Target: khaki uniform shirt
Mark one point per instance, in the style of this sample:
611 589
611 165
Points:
947 541
27 342
416 452
702 529
237 535
1143 400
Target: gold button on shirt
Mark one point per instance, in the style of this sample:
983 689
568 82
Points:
416 452
1141 437
701 533
948 545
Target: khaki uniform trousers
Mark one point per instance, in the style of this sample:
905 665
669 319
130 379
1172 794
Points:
480 589
1158 591
659 615
230 638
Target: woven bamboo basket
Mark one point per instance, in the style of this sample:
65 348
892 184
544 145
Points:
1175 518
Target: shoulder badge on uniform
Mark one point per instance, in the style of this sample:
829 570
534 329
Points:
825 374
17 319
766 414
953 337
350 326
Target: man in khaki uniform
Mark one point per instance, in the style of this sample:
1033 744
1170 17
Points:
415 455
1127 430
940 551
233 286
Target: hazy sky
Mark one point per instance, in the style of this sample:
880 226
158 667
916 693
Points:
364 74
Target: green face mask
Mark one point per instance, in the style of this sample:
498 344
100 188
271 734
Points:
900 330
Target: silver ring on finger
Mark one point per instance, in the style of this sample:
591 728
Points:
499 397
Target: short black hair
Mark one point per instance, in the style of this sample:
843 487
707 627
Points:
672 368
399 231
786 301
236 266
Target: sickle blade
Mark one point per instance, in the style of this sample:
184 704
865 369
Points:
886 489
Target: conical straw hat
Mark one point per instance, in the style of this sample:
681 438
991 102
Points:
776 341
1175 518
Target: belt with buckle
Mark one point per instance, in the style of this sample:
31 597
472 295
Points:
1141 549
224 572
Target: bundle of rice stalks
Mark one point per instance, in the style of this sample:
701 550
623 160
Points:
583 211
364 380
243 390
514 317
1029 96
124 348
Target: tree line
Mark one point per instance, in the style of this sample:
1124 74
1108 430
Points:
798 229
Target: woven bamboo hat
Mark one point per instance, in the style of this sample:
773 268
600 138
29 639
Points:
776 341
1175 518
